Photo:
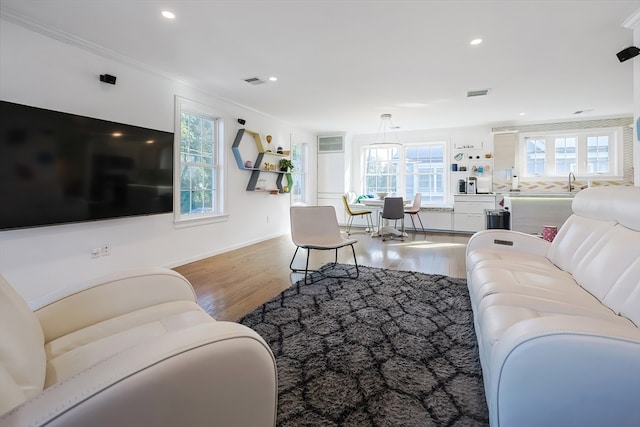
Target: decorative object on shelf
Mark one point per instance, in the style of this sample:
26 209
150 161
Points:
248 164
269 137
385 123
454 167
242 121
259 166
279 150
285 164
275 192
458 156
488 155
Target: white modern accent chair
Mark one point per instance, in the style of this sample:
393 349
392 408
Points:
133 350
316 228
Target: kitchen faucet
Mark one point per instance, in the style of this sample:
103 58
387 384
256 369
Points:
570 180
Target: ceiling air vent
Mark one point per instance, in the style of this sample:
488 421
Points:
254 81
480 92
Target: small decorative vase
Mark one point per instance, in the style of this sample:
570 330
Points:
248 164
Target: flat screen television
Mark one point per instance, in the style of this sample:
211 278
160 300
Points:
58 168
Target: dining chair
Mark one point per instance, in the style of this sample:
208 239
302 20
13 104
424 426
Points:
353 213
392 210
316 227
414 210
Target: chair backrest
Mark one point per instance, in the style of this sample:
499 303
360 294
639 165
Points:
22 357
314 225
416 202
393 208
346 205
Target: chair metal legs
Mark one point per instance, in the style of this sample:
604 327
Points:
367 217
411 215
306 267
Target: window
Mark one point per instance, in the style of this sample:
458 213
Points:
381 169
585 152
199 190
406 170
424 172
299 159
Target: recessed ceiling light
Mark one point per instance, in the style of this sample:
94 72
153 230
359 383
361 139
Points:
168 15
151 141
116 134
523 114
273 79
475 42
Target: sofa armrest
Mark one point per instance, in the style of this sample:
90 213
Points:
112 296
565 370
220 373
508 240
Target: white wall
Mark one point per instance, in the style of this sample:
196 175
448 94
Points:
44 72
633 23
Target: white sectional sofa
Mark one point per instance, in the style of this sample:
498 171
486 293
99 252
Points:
558 323
135 349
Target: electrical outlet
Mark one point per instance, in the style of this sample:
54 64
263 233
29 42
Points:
95 253
106 250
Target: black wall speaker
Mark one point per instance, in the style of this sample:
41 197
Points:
108 78
242 121
628 53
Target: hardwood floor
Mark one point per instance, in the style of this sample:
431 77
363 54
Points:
234 283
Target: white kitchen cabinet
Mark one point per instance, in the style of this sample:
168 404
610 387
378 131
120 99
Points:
468 211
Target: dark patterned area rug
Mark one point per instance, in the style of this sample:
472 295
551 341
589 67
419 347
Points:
391 348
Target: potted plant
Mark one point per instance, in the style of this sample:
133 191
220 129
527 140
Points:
285 164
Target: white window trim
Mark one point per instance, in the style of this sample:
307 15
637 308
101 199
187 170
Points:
402 169
184 104
616 157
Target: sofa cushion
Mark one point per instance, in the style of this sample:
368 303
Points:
497 270
617 204
22 355
77 351
499 312
610 270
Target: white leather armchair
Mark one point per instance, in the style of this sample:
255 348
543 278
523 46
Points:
133 350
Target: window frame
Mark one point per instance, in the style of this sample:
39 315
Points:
616 151
299 173
399 176
218 166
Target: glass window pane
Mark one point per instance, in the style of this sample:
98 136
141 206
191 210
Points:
565 154
598 154
198 163
535 156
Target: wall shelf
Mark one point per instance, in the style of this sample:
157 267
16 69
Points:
256 171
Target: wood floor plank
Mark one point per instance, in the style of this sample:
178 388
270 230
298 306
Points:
232 284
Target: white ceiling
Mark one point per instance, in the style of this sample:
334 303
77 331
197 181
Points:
340 64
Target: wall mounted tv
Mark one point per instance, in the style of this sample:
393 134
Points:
59 168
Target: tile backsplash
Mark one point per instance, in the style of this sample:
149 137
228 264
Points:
502 181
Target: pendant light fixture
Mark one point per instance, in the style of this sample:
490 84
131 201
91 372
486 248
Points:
385 129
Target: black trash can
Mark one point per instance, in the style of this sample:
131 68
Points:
498 219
